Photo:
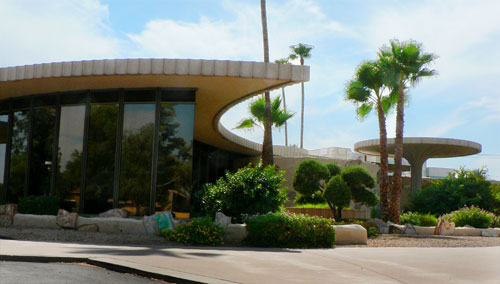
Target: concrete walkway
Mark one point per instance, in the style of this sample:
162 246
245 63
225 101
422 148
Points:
252 265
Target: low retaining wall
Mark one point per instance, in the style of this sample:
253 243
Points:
348 214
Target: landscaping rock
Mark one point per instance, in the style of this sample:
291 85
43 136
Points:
6 220
467 231
88 228
444 228
117 212
383 227
222 220
426 231
66 219
491 232
396 229
35 221
8 209
150 224
235 232
115 225
352 234
410 229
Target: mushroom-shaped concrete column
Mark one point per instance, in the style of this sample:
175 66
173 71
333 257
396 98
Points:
416 150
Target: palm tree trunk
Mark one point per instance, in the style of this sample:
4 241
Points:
398 157
267 144
384 165
302 118
284 108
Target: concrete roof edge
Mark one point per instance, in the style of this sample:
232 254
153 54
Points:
157 66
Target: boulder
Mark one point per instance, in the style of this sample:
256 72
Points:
352 234
444 227
383 227
426 231
150 224
410 229
467 231
235 232
222 220
490 232
88 228
66 219
117 212
396 229
35 221
115 224
8 209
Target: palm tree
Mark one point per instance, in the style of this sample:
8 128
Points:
267 144
404 64
258 109
284 61
301 51
367 91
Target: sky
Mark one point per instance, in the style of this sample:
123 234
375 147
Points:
462 102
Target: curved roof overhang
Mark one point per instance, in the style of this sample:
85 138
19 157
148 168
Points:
220 85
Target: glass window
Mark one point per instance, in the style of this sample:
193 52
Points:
18 156
175 156
101 158
69 167
41 151
4 129
137 147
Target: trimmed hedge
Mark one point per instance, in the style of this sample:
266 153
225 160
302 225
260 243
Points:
289 230
200 231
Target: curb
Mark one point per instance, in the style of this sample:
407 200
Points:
124 267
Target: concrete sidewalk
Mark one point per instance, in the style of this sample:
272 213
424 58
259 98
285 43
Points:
253 265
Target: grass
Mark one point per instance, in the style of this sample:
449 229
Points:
309 205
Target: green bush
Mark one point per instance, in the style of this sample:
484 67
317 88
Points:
201 231
308 176
359 180
315 198
337 195
459 189
418 219
472 216
333 169
250 190
39 205
288 230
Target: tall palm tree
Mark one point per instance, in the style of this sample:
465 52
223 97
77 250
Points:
405 64
284 61
267 144
301 51
367 91
258 110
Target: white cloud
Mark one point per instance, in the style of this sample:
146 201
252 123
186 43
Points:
45 31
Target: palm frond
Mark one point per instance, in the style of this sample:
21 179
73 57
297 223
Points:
246 124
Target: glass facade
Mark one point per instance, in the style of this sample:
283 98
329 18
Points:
98 150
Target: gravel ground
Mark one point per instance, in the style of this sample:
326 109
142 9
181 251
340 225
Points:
70 236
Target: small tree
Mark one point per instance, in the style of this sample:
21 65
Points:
333 169
308 180
338 195
359 181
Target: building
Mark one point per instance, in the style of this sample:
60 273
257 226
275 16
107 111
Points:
124 133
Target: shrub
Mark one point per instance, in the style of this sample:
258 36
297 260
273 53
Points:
39 205
462 188
308 176
337 195
250 190
315 198
288 230
472 216
359 180
418 219
201 231
333 169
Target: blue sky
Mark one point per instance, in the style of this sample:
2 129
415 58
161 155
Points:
462 102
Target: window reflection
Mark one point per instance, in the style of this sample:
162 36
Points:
18 156
137 146
70 156
175 155
4 129
42 147
101 158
